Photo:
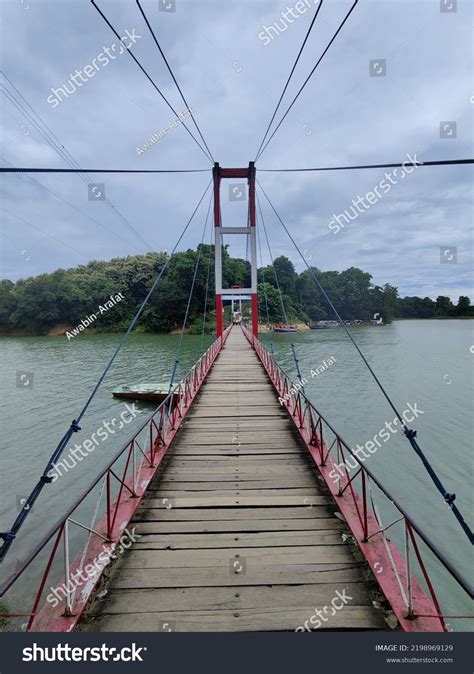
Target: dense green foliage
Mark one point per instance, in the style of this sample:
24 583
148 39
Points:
68 296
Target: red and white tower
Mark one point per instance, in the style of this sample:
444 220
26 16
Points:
248 231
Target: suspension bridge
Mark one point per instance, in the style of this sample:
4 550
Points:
226 493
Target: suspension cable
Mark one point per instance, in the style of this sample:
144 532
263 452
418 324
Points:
262 271
75 208
293 347
188 306
54 238
408 432
290 76
24 169
415 162
172 75
308 78
9 536
129 51
54 142
247 240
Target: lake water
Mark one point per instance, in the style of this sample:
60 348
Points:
45 382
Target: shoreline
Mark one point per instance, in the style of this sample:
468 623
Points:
60 331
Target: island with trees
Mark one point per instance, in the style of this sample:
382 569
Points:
50 303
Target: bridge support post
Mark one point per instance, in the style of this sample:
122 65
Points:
218 250
253 248
219 316
255 315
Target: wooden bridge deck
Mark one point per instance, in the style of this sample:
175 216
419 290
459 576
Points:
250 541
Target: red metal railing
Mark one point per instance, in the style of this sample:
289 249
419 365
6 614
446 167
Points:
416 609
124 481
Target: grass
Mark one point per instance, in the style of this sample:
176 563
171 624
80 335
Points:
4 622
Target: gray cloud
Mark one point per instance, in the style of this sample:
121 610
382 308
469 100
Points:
232 81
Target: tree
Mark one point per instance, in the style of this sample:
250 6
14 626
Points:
464 306
269 299
286 275
415 307
67 296
355 293
7 302
309 296
444 306
389 302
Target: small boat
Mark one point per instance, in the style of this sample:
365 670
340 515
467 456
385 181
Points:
284 328
155 393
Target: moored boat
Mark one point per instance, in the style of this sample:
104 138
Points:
150 392
284 328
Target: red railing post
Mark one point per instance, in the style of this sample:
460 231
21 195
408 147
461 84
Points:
152 443
364 506
321 442
124 475
44 578
109 507
426 576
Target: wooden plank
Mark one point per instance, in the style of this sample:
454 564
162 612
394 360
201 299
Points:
246 620
221 576
185 485
268 539
216 514
247 398
183 488
274 425
156 515
256 470
193 501
235 598
247 460
238 526
305 495
252 428
266 557
191 450
223 462
212 475
264 432
246 414
232 490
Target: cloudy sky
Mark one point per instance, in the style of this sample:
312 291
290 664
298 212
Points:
232 78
